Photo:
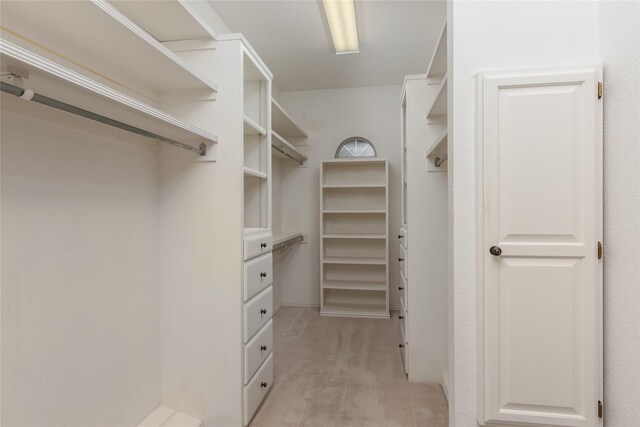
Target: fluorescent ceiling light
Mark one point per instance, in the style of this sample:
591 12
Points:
341 15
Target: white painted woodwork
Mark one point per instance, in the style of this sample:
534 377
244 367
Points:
354 247
257 312
540 201
257 350
100 41
283 124
257 389
423 238
51 79
257 244
258 274
163 416
437 69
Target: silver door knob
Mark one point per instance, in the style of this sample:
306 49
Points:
495 251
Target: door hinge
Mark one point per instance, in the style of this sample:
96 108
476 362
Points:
599 250
599 90
600 409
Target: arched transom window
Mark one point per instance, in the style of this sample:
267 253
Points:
355 147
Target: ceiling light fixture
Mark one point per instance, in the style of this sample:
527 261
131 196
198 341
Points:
341 15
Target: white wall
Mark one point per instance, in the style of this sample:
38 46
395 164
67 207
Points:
620 53
80 296
493 36
329 117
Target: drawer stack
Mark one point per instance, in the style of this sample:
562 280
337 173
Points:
403 287
257 324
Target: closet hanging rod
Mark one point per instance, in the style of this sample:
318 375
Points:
440 160
286 243
300 162
29 95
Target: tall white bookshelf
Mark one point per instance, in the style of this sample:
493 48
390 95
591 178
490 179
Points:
354 230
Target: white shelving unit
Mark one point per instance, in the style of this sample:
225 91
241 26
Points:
354 244
288 139
105 49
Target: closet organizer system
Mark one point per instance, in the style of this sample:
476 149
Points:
423 234
149 68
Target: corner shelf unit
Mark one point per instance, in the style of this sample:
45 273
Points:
437 108
105 49
354 238
287 136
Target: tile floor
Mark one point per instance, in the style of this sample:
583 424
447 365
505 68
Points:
344 372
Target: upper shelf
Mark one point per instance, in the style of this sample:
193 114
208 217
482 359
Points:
51 79
282 123
438 65
171 20
285 149
437 112
96 39
439 146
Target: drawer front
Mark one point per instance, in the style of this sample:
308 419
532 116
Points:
404 291
403 239
257 389
258 274
403 349
257 312
403 262
257 350
403 319
257 245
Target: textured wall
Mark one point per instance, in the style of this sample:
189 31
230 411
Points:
620 53
80 295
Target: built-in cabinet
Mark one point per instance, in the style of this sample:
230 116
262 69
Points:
354 227
422 237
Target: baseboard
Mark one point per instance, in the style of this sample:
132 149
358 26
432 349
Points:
277 309
445 385
300 304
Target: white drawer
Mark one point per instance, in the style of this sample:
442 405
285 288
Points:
257 312
257 245
403 318
257 350
403 349
258 274
403 235
403 290
257 389
402 260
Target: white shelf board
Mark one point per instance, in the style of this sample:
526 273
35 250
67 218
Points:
282 144
255 230
439 146
438 64
437 111
51 79
171 20
98 39
347 186
283 236
354 236
355 285
254 173
354 310
354 261
354 211
282 123
253 128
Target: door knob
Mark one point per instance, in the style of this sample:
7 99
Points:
263 311
263 347
263 245
400 345
400 236
263 385
400 288
400 317
400 259
495 251
263 274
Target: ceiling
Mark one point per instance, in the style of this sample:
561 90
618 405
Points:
292 37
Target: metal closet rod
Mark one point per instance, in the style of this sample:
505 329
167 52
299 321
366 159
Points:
440 160
54 103
287 154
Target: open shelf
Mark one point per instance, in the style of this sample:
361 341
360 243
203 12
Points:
438 64
285 149
95 39
282 123
354 172
354 260
348 302
253 128
351 199
355 285
249 172
439 146
354 211
58 82
166 20
357 186
437 112
354 236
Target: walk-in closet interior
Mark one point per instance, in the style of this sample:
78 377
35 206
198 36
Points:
318 213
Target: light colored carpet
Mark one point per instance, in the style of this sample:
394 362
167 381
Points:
344 372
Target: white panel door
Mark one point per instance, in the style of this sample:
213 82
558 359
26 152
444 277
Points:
540 216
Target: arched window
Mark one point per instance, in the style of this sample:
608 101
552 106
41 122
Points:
355 147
